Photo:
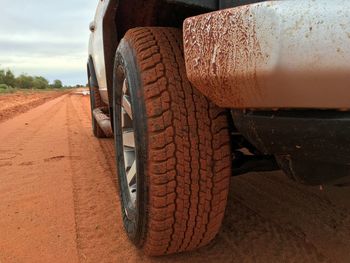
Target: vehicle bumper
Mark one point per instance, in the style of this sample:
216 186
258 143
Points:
312 147
274 54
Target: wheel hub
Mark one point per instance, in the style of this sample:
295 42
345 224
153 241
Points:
129 144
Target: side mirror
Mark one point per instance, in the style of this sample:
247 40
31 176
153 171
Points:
92 26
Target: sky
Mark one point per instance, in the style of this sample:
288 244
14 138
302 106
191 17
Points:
46 37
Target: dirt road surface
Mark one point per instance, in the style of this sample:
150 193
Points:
59 202
20 102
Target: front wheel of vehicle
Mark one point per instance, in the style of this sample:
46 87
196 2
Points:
172 146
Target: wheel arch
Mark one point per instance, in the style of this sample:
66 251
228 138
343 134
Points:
119 18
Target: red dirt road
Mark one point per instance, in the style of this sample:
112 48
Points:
59 202
20 102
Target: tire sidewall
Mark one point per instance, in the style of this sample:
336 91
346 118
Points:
93 106
126 61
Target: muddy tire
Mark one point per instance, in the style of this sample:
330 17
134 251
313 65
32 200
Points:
95 102
182 149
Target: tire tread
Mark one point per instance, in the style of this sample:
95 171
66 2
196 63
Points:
187 135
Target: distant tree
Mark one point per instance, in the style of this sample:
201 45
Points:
2 76
40 83
24 81
9 78
57 84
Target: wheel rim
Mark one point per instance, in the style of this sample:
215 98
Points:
129 150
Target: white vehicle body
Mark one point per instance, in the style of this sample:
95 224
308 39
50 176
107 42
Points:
96 48
295 54
274 54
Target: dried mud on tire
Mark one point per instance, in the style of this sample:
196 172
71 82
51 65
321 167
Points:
188 156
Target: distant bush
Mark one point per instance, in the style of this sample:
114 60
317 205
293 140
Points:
40 83
25 81
6 89
4 86
57 84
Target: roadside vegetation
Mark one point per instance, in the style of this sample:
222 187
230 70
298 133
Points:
9 83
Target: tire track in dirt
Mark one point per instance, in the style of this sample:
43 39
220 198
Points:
95 196
36 209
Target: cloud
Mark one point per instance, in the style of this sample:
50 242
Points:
40 46
46 38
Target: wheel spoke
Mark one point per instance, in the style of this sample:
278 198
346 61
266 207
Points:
125 86
131 173
127 106
129 158
128 139
126 100
126 121
129 144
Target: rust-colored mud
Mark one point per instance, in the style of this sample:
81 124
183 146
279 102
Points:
188 180
222 52
268 55
59 202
